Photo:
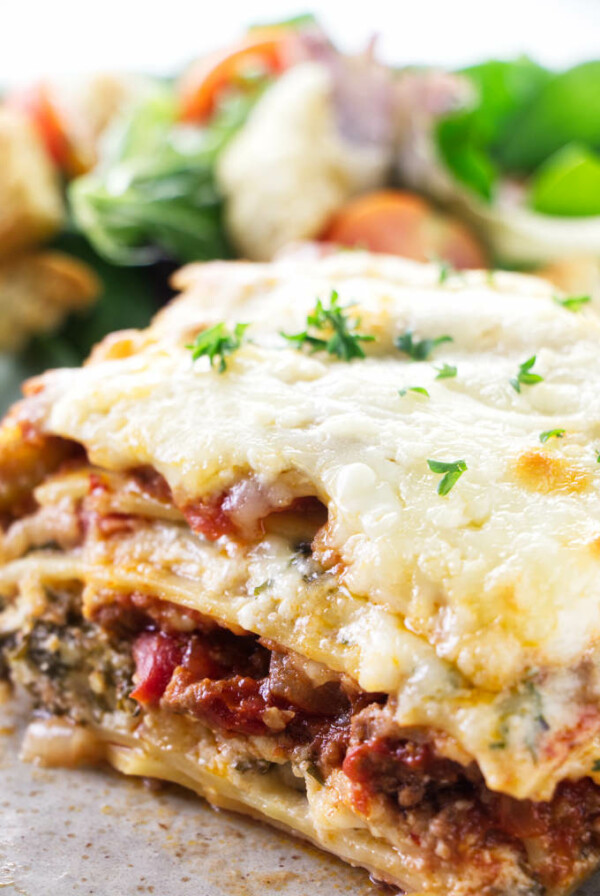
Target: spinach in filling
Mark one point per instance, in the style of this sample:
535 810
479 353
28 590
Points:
69 666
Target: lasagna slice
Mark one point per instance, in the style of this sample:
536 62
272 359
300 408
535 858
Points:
323 545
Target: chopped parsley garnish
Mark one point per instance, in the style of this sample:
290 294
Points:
262 587
452 471
598 458
419 350
596 765
573 303
524 377
445 270
551 434
418 389
218 342
445 372
339 336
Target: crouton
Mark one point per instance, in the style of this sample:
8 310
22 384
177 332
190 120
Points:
37 290
31 205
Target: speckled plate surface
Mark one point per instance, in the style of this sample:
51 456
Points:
94 832
91 831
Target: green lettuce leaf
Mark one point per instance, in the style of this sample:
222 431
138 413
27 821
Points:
566 110
503 89
153 195
467 139
466 155
568 184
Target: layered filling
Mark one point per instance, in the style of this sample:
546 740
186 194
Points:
141 655
109 658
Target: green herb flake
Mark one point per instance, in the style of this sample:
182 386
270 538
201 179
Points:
338 333
452 471
154 196
446 269
551 434
596 765
573 303
525 377
218 342
262 587
419 350
418 389
445 372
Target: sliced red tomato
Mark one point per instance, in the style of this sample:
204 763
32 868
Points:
267 50
156 656
43 111
400 223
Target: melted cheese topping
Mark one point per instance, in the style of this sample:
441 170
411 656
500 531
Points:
477 609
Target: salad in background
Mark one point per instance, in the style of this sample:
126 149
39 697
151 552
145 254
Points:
109 184
515 150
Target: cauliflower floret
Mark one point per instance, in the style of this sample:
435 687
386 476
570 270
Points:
289 168
31 207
